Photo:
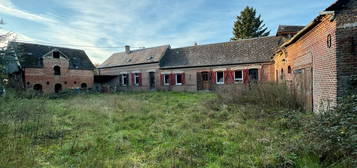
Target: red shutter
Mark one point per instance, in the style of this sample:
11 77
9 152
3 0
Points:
183 80
140 79
132 79
162 79
172 79
246 76
213 75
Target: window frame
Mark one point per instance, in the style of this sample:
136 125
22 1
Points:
136 79
176 76
217 82
57 72
168 79
238 80
123 76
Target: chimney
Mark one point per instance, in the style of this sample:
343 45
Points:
195 44
127 49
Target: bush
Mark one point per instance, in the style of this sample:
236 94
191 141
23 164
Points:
262 94
332 134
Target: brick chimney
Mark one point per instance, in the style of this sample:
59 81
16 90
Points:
127 49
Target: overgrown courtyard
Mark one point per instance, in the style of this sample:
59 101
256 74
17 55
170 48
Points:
151 129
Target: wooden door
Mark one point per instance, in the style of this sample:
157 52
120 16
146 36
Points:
152 80
302 83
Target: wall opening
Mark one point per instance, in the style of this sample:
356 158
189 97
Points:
57 70
37 88
84 86
56 54
58 88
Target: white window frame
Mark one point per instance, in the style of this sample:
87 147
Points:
238 80
122 79
217 82
168 75
136 82
178 84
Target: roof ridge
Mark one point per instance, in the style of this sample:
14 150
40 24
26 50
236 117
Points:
241 40
144 49
52 46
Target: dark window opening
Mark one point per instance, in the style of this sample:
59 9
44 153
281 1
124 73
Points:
329 41
28 83
48 83
56 54
84 86
58 88
125 80
238 76
75 82
37 88
65 82
220 77
282 74
136 79
289 69
57 70
178 79
253 75
166 79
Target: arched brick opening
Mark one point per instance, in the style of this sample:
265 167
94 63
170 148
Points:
37 87
84 86
58 88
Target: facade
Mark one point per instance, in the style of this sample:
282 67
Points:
51 69
199 67
318 61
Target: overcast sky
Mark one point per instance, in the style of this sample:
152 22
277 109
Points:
142 23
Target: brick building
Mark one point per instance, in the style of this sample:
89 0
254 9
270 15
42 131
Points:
50 69
318 60
199 67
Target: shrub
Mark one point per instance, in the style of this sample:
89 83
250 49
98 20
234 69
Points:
332 134
262 94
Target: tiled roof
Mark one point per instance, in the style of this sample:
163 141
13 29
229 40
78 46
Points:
237 52
142 56
289 28
30 56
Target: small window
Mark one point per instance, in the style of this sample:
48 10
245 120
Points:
28 83
57 70
289 70
136 79
166 79
48 83
329 41
37 88
178 79
238 76
220 77
56 54
65 82
75 82
124 79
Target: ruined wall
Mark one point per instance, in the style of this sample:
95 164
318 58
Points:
346 35
69 78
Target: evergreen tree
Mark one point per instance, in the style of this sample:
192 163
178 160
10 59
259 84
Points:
248 25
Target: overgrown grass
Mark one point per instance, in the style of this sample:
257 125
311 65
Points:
154 129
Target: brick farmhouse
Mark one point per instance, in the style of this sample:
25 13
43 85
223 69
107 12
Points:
316 61
50 69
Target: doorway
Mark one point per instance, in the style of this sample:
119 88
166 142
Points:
152 80
203 79
58 88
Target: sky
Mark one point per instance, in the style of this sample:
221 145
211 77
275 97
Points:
103 27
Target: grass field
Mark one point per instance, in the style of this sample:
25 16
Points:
158 129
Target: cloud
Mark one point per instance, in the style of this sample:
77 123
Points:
7 7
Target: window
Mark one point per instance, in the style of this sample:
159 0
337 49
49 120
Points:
329 41
289 69
282 74
220 77
57 70
37 88
136 79
166 79
124 79
253 75
56 54
238 76
48 83
178 79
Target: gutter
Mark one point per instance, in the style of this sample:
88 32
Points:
213 65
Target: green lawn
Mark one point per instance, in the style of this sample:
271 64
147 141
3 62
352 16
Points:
156 129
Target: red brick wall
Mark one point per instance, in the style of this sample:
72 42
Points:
311 51
69 79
